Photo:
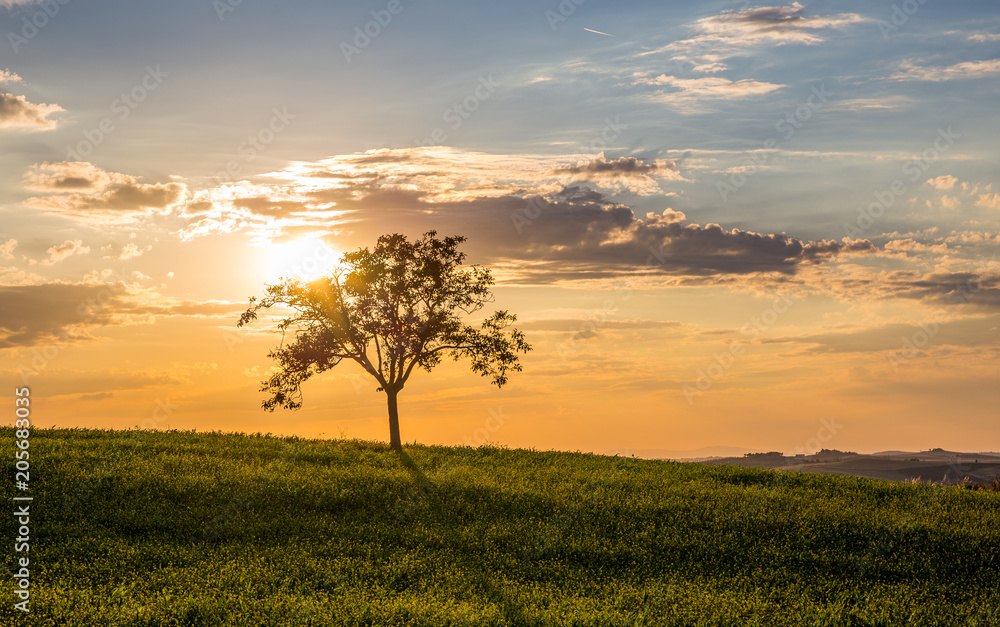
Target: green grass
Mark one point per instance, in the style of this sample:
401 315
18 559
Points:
181 528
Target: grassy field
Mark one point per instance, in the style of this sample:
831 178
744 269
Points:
181 528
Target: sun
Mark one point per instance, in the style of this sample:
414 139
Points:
303 258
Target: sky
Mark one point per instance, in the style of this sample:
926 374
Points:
721 224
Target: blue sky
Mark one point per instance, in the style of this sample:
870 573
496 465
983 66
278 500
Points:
771 120
226 75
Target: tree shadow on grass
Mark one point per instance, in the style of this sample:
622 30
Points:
425 489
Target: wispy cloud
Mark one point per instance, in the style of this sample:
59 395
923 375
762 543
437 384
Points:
910 70
883 103
730 33
688 94
714 87
776 24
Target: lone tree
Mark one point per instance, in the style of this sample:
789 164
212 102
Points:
390 309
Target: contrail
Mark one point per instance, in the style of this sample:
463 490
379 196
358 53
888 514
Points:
598 32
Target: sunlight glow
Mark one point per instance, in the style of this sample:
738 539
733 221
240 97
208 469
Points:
304 258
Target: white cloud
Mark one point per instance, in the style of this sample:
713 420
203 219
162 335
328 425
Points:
910 71
7 249
985 37
886 103
131 251
943 182
64 250
6 76
71 176
989 201
688 92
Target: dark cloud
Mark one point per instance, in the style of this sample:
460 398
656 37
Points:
116 202
953 288
55 312
623 167
64 313
975 291
576 233
517 218
579 233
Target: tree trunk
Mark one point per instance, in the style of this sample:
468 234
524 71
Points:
394 441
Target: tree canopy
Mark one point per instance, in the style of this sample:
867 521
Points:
391 309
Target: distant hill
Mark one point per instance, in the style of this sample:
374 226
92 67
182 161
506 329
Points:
936 465
707 452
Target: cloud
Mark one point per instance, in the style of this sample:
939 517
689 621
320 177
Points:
82 383
717 87
17 112
984 37
524 221
989 201
776 24
942 182
70 176
6 76
910 71
131 251
64 250
730 33
62 313
623 169
311 196
973 289
891 337
96 396
7 249
885 103
98 195
911 245
54 312
687 92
